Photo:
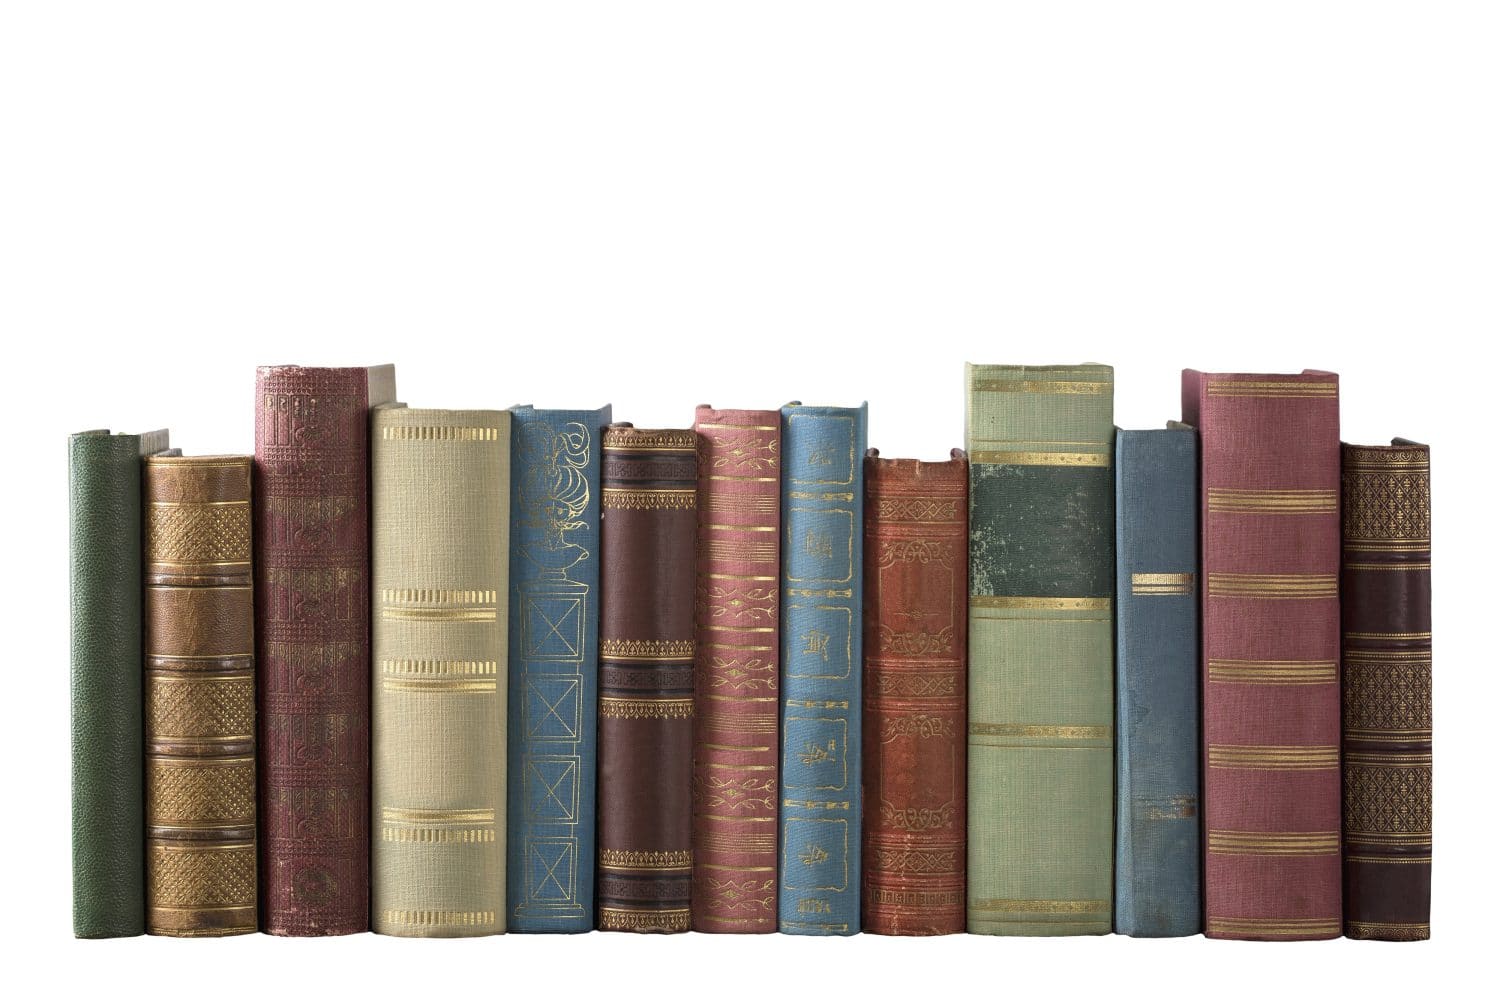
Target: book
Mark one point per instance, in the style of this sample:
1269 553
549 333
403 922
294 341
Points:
1269 508
915 749
554 669
439 572
822 493
1158 836
648 528
1387 691
105 666
199 697
1041 649
312 643
736 718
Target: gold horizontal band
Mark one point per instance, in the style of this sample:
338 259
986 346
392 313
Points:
645 708
1372 860
420 595
1041 603
736 427
615 919
1273 758
440 668
1076 459
439 918
1067 906
647 649
1270 388
1040 732
1269 927
439 685
398 814
617 498
1046 387
439 614
645 860
1376 567
1273 671
412 433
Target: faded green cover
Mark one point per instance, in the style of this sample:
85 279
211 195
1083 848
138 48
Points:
106 665
1041 649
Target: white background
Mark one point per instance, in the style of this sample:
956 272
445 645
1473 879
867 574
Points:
666 204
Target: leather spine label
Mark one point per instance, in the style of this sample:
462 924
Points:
915 698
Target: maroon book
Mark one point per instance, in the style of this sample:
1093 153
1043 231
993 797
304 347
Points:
1270 586
312 635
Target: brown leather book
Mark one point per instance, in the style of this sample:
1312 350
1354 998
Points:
915 700
647 532
1387 611
200 697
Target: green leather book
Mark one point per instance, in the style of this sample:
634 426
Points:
1041 649
106 664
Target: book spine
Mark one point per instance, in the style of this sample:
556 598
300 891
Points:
1158 871
105 662
312 594
199 698
554 669
1387 648
1269 469
439 567
822 494
915 694
737 723
647 531
1041 649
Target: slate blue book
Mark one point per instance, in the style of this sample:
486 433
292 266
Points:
1158 879
822 492
554 668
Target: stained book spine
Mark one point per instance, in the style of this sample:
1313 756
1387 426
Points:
736 745
554 669
915 694
822 493
1387 691
1269 472
647 531
1041 649
105 662
1158 872
200 698
312 592
440 517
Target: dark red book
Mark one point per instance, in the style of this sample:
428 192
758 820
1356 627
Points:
916 694
1270 586
312 643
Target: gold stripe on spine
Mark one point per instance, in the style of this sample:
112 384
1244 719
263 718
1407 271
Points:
438 685
1240 501
436 596
440 668
1073 459
1050 387
654 861
615 919
1273 927
1251 842
620 498
1368 930
1274 586
1041 603
1266 389
1163 584
439 614
1375 567
439 918
1040 732
1273 758
628 439
1058 906
646 649
413 433
1273 671
611 707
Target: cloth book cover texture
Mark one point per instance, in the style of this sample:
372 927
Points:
1041 649
200 697
105 664
647 532
1269 504
737 722
915 694
1387 613
312 606
439 567
822 500
554 668
1158 870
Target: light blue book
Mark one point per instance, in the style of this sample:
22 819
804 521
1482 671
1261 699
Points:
1158 878
554 669
822 499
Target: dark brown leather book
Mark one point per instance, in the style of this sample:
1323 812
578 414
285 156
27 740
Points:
1387 611
647 535
916 687
200 697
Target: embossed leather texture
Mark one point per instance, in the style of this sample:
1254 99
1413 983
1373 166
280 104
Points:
1387 648
439 567
1158 871
822 500
200 697
1269 475
647 533
105 661
915 698
737 722
312 589
554 669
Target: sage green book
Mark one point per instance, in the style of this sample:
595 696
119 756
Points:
1041 649
440 570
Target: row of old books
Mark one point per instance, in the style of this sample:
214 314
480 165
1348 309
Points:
451 673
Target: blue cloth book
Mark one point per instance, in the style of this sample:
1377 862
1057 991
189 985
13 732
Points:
1158 877
554 669
822 493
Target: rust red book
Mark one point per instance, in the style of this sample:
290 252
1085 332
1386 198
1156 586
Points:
915 698
647 532
737 729
1269 474
312 642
